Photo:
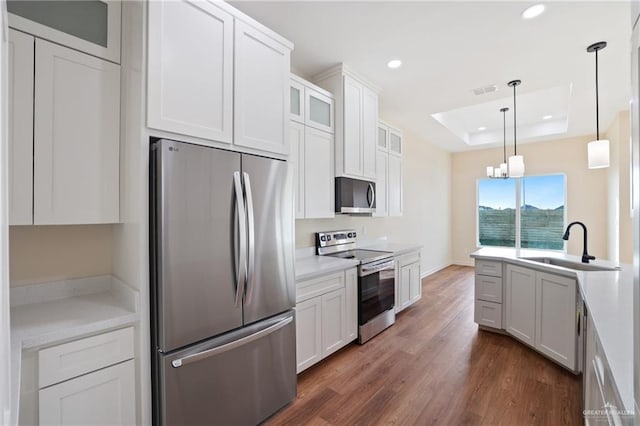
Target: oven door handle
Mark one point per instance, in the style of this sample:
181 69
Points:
377 267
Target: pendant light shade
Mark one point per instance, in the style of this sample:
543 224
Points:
598 150
502 171
516 162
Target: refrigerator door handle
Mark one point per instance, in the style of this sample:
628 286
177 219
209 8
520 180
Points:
224 348
242 263
251 257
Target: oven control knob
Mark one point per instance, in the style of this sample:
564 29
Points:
323 238
350 235
355 235
328 237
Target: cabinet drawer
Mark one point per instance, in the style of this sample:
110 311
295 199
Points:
72 359
488 288
488 314
489 267
319 286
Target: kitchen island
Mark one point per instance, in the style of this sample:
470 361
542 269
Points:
607 296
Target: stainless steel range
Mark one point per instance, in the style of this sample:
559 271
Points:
376 280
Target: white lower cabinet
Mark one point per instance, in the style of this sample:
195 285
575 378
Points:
408 281
488 294
89 381
602 402
308 333
520 303
326 316
104 397
541 310
334 319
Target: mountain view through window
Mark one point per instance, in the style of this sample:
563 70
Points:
540 217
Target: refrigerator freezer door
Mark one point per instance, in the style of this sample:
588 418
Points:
236 379
270 281
195 234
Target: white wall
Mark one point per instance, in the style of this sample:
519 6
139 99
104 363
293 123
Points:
52 253
620 223
587 192
426 217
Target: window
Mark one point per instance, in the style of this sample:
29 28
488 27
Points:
539 220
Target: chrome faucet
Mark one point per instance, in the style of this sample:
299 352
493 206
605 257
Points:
586 257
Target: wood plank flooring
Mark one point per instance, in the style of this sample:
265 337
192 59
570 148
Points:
435 367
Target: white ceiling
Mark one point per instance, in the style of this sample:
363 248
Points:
449 48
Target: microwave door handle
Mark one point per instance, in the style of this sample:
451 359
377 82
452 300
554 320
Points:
251 257
242 231
373 195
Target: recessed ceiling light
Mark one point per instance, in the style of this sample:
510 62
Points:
481 128
533 11
547 117
395 63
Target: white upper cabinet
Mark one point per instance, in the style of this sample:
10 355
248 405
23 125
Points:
20 128
389 182
369 132
190 69
76 137
63 135
261 91
312 149
383 137
352 136
356 122
296 162
394 186
319 110
395 141
88 26
318 174
217 75
296 92
382 181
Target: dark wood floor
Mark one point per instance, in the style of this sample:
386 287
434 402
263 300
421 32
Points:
434 366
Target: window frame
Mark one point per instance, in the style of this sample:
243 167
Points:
518 221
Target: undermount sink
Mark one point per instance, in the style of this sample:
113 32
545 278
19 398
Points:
578 266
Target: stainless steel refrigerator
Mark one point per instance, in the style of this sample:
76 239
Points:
222 285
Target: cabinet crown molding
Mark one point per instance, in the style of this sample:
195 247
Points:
343 69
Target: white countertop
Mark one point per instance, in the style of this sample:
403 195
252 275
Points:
49 313
313 266
396 248
309 265
608 296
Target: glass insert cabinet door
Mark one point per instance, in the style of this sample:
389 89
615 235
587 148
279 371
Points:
319 110
91 26
297 101
395 142
383 137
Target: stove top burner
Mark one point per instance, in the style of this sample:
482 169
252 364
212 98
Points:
361 255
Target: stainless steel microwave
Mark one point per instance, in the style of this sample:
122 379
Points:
355 196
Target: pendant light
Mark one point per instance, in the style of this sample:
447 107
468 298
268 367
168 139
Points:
501 171
598 150
516 162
